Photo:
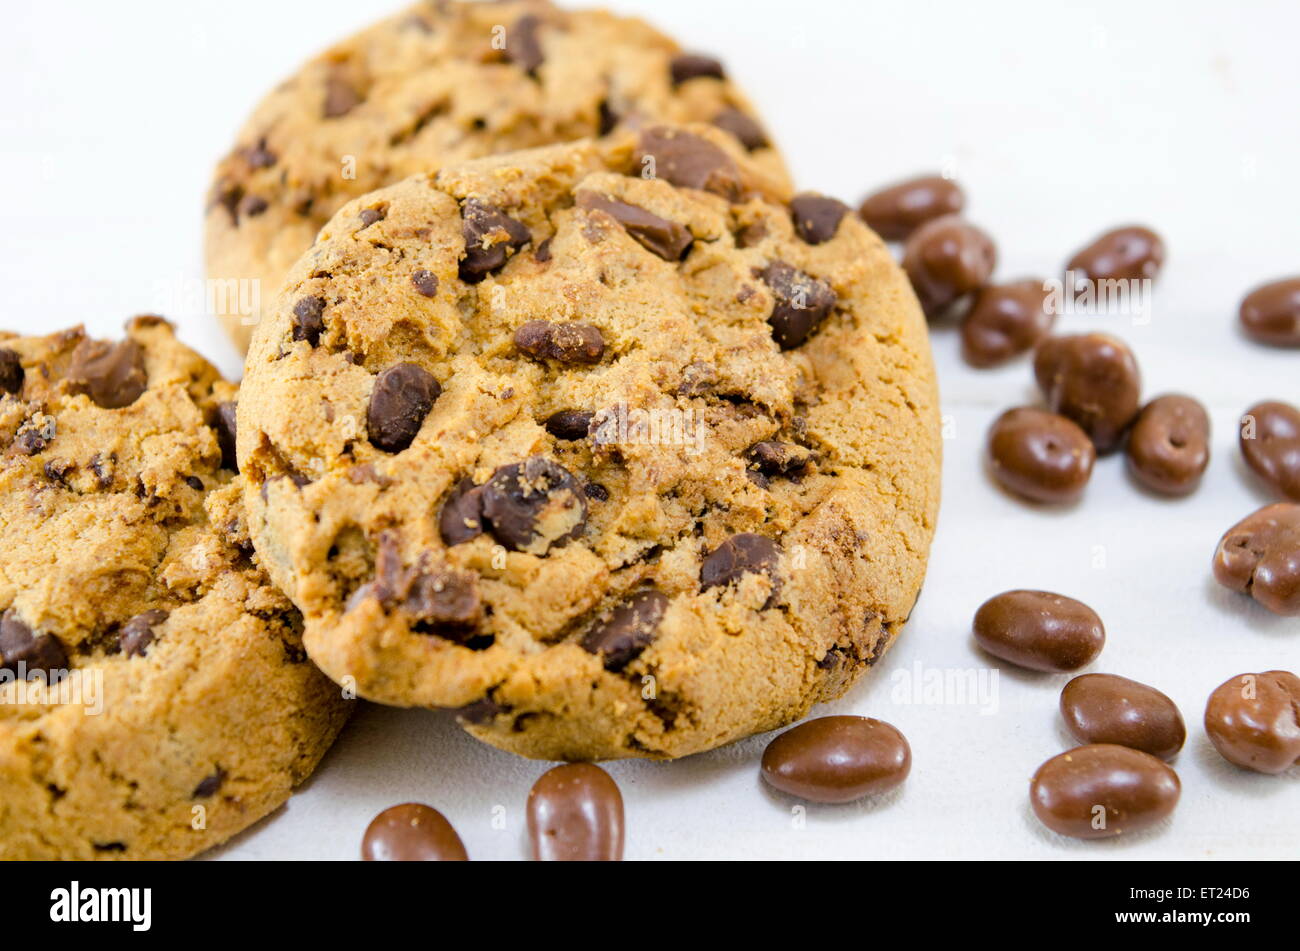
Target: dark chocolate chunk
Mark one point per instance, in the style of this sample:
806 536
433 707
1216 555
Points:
522 45
816 217
690 161
738 556
568 342
426 282
667 239
111 374
401 399
11 371
308 319
744 127
19 644
491 236
569 424
686 66
533 505
137 634
226 427
802 302
626 631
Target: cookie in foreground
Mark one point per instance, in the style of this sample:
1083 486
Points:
614 465
155 697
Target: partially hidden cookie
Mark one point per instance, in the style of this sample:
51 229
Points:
598 444
155 697
441 83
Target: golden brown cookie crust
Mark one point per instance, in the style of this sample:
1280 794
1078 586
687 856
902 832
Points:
200 726
847 486
438 84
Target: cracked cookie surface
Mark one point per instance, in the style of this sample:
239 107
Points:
440 83
612 465
155 697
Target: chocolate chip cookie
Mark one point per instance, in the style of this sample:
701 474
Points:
603 445
440 83
155 697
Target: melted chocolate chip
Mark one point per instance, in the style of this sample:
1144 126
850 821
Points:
569 424
401 399
568 342
667 239
111 374
690 161
491 236
308 319
686 66
11 371
626 631
137 634
19 644
802 302
226 427
426 282
461 517
210 785
533 505
341 97
738 556
522 45
772 458
816 217
369 216
745 128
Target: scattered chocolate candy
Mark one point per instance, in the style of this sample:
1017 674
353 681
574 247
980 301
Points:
895 211
1039 630
837 759
946 259
1270 443
575 814
1105 708
411 832
1169 445
1253 720
1271 314
1124 254
1092 379
1040 455
1102 790
1004 321
400 400
1260 556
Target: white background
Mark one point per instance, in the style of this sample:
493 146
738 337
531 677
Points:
1060 120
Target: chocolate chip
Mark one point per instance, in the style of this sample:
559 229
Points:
594 490
569 424
11 371
772 458
491 236
522 45
226 427
210 785
401 399
802 302
20 645
308 319
543 252
568 342
137 634
259 156
738 556
461 517
35 434
816 217
481 711
533 505
194 482
426 282
607 119
745 128
689 161
111 374
686 66
369 216
667 239
340 97
626 631
446 602
252 205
